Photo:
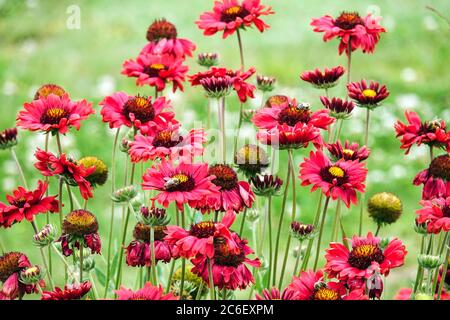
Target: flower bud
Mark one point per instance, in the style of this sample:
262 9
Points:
302 231
153 216
126 141
247 114
208 59
265 83
423 296
8 138
45 236
266 185
251 160
252 215
124 194
384 208
428 261
192 284
421 228
31 275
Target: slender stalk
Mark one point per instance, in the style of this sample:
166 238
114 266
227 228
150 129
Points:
241 49
444 271
238 130
241 228
94 287
153 262
378 230
349 59
280 222
211 281
63 259
183 260
269 220
319 240
431 153
310 242
81 263
19 168
47 214
69 192
58 143
198 296
297 261
221 112
440 252
169 279
60 198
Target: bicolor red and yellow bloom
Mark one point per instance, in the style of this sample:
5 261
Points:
348 151
367 96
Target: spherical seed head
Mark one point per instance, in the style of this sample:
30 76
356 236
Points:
31 275
79 223
384 208
440 167
45 236
251 159
100 175
161 29
208 59
47 89
8 138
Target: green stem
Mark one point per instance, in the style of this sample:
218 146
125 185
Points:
269 219
94 287
241 228
47 214
440 253
241 49
169 279
183 260
211 281
81 263
310 242
19 168
221 112
419 269
378 230
431 153
69 192
198 296
236 138
444 270
349 59
153 262
337 216
60 198
58 143
297 260
322 223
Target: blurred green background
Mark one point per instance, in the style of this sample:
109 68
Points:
411 59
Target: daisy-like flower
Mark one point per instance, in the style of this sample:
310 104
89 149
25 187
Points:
54 113
144 113
11 265
148 292
75 174
367 96
218 82
348 151
201 237
435 179
25 204
229 268
8 138
156 71
80 228
431 133
351 29
183 184
168 143
325 79
366 257
340 179
70 292
163 39
234 195
436 213
230 15
290 137
275 294
339 109
138 252
312 286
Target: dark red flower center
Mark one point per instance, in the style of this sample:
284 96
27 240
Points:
334 175
142 232
232 13
226 177
9 264
140 107
223 256
161 29
204 229
446 211
292 115
348 20
440 167
19 203
362 256
323 292
80 223
179 182
166 139
153 70
53 115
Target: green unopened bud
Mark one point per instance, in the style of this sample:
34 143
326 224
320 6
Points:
265 83
252 215
208 59
248 114
428 261
153 216
384 208
46 236
31 275
126 141
423 296
192 285
124 194
421 228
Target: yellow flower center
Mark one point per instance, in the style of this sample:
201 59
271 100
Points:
369 93
30 271
365 250
325 293
234 10
157 66
181 177
348 152
336 172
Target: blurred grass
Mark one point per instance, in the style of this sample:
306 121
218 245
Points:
411 59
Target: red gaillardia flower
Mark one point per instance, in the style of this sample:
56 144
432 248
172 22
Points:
80 228
229 268
54 113
367 96
163 39
312 286
275 294
168 143
47 89
432 133
325 79
352 30
184 184
340 179
75 174
148 292
290 137
201 238
144 113
339 109
230 15
24 204
436 214
348 151
365 257
138 252
156 71
70 292
436 179
233 195
11 265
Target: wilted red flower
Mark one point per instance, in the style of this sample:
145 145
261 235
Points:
435 179
432 133
348 151
325 79
230 15
312 286
340 179
163 39
75 174
339 109
156 71
367 96
70 292
24 204
54 113
275 294
350 28
148 292
436 214
144 113
229 268
365 257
